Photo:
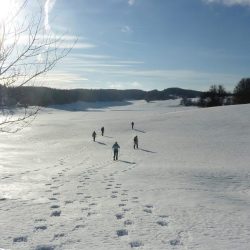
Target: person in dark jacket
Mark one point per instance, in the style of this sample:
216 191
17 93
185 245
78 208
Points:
115 149
102 129
136 142
94 135
132 124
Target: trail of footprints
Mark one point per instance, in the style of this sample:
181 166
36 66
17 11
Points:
116 192
89 203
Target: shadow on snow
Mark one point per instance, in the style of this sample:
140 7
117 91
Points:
138 130
102 143
89 106
148 151
128 162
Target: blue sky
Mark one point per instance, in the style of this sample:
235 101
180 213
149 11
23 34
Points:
152 44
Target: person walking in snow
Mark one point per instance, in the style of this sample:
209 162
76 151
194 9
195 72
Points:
94 135
115 149
135 142
102 129
132 124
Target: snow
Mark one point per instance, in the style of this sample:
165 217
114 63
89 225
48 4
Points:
186 187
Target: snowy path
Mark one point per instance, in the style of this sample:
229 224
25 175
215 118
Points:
84 205
186 187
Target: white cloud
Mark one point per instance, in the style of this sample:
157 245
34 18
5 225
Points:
230 2
62 80
126 29
130 62
124 85
60 42
78 45
131 2
48 6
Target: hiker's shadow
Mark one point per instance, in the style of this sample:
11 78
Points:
138 130
102 143
147 151
128 162
108 136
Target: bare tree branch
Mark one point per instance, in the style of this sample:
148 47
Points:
27 51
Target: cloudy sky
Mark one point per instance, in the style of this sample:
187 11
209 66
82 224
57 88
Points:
151 44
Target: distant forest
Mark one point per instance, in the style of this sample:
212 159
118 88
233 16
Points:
43 96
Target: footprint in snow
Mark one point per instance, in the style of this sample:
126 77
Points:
163 216
128 222
122 205
85 208
68 202
119 216
135 244
126 209
20 239
54 206
78 227
91 213
40 228
40 220
45 247
175 242
56 213
162 223
122 232
146 210
57 236
149 206
53 199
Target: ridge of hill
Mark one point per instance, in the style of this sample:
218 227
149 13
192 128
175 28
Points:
44 96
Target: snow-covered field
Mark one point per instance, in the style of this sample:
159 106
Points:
186 187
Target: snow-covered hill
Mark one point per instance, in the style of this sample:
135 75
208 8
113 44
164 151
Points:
186 187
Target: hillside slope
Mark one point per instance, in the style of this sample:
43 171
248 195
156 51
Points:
186 187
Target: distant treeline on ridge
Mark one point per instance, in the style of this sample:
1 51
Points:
44 96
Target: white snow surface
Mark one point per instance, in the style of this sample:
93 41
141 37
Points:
186 187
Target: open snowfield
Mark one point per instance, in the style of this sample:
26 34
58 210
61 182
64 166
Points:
186 187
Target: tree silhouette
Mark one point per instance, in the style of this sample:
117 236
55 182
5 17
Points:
27 51
242 91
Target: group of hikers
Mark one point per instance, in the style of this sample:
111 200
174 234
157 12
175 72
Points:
94 133
116 146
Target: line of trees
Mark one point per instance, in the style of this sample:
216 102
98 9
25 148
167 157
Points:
217 95
43 96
